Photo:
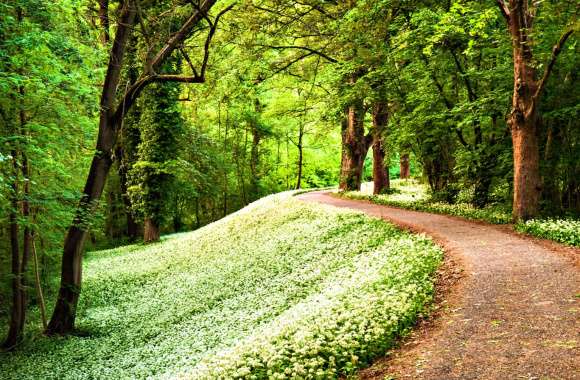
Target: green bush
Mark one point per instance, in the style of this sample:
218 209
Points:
565 231
495 215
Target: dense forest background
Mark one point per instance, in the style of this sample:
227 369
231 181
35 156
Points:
261 96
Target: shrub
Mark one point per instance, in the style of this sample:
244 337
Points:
491 214
565 231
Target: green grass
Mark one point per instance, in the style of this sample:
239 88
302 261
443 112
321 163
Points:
280 289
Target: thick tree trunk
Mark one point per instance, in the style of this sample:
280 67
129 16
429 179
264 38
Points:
523 119
151 231
405 166
527 184
380 170
355 146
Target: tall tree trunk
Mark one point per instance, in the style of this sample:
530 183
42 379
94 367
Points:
16 326
64 314
255 153
151 231
300 163
404 166
27 232
355 146
524 117
225 169
254 161
19 263
380 171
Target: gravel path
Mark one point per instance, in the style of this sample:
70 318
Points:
514 315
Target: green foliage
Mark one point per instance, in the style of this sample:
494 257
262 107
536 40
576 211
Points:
280 281
565 231
152 176
49 73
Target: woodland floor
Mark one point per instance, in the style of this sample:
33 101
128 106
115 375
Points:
509 310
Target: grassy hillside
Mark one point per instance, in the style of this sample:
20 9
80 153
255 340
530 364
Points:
281 287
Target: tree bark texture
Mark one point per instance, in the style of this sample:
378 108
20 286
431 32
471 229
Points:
150 231
355 146
524 118
381 178
404 166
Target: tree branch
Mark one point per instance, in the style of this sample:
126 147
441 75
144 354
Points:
182 34
177 78
188 60
323 55
211 33
555 52
503 7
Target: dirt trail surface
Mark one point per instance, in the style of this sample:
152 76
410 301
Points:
514 315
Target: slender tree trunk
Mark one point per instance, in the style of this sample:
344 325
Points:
19 263
27 231
64 314
300 157
16 326
151 231
254 161
355 146
38 285
225 171
404 166
380 171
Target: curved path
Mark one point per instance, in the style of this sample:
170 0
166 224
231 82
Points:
515 314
